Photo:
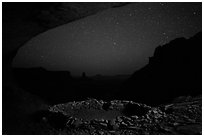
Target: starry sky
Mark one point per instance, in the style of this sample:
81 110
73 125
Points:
113 41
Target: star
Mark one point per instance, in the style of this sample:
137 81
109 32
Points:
130 14
162 4
114 43
130 33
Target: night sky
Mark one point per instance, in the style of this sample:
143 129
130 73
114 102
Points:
113 41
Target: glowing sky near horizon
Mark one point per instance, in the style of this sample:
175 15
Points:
114 41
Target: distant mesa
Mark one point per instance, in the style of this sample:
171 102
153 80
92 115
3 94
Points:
46 84
40 73
84 75
174 70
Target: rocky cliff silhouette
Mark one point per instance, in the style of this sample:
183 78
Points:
174 70
44 83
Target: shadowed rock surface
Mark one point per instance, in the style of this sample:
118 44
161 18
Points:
42 82
177 118
24 113
20 23
181 116
174 70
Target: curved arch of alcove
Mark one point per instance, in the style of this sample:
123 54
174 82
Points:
18 30
32 19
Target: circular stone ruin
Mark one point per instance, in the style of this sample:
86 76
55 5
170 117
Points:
111 115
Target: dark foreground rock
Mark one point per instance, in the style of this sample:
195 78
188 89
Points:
175 69
127 117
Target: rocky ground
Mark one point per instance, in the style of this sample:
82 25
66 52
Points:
118 117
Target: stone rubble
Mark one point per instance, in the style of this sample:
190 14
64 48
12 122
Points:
167 119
